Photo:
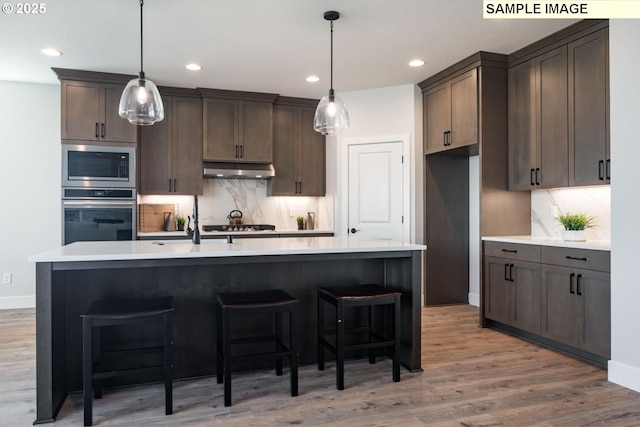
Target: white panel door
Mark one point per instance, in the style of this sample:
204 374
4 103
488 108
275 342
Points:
376 190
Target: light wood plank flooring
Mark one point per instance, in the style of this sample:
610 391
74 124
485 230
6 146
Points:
472 377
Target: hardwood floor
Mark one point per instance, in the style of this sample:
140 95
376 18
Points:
472 377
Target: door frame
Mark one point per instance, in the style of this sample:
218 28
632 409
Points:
406 179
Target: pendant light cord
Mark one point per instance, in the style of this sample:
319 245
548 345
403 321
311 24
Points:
141 55
331 88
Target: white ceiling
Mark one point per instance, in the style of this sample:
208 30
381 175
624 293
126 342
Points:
259 45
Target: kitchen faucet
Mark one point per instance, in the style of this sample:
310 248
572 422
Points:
194 234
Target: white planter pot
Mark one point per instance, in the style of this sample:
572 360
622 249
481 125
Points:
574 235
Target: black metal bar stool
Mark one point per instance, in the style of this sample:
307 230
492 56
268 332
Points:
274 302
98 363
368 296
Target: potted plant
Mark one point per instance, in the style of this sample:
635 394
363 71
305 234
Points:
300 221
575 226
180 222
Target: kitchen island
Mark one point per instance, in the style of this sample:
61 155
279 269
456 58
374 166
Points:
70 277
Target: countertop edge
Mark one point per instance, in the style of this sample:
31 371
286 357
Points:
598 245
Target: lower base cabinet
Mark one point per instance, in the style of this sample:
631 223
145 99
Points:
562 295
576 308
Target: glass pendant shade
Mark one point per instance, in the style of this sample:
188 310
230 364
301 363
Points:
331 116
141 103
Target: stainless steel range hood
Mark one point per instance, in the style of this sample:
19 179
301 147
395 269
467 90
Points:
222 170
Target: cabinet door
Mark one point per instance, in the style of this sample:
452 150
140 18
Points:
464 110
256 132
284 183
594 320
437 106
522 126
498 290
80 105
588 112
559 304
220 129
113 127
155 153
311 155
187 145
525 296
552 135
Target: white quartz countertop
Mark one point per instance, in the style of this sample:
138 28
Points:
599 245
168 249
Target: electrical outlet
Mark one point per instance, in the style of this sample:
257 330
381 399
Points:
553 211
6 278
291 213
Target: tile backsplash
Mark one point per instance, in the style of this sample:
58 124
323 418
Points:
220 196
593 201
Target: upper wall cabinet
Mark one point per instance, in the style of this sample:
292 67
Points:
298 150
451 113
559 111
90 113
589 158
170 151
538 140
237 126
89 107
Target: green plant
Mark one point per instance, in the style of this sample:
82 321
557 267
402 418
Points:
300 219
180 220
579 221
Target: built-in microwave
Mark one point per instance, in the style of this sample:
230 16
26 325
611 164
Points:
98 166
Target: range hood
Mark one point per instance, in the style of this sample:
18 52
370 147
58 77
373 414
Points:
222 170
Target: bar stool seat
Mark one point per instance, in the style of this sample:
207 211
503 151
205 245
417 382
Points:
276 302
99 364
370 296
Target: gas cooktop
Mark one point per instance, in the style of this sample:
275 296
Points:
240 227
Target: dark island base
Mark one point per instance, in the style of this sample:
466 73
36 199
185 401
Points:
64 291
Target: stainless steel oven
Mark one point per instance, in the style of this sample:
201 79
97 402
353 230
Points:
98 166
91 214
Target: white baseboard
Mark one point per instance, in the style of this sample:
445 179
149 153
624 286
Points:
474 299
625 375
26 301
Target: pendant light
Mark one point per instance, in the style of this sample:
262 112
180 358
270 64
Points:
140 102
331 114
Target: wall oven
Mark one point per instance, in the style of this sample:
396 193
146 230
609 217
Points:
98 166
91 214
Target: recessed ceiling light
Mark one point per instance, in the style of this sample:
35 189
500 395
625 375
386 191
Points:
313 79
193 67
416 63
51 52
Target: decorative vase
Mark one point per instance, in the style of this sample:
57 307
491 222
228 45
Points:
574 235
300 226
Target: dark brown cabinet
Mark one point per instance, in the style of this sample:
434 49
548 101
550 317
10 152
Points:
483 77
576 299
237 126
561 295
451 113
512 285
90 112
589 158
559 111
170 151
298 151
538 122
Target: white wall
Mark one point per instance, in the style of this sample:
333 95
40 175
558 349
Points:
624 367
30 177
395 110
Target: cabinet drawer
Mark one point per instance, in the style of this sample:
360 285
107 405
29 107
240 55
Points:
577 258
515 251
